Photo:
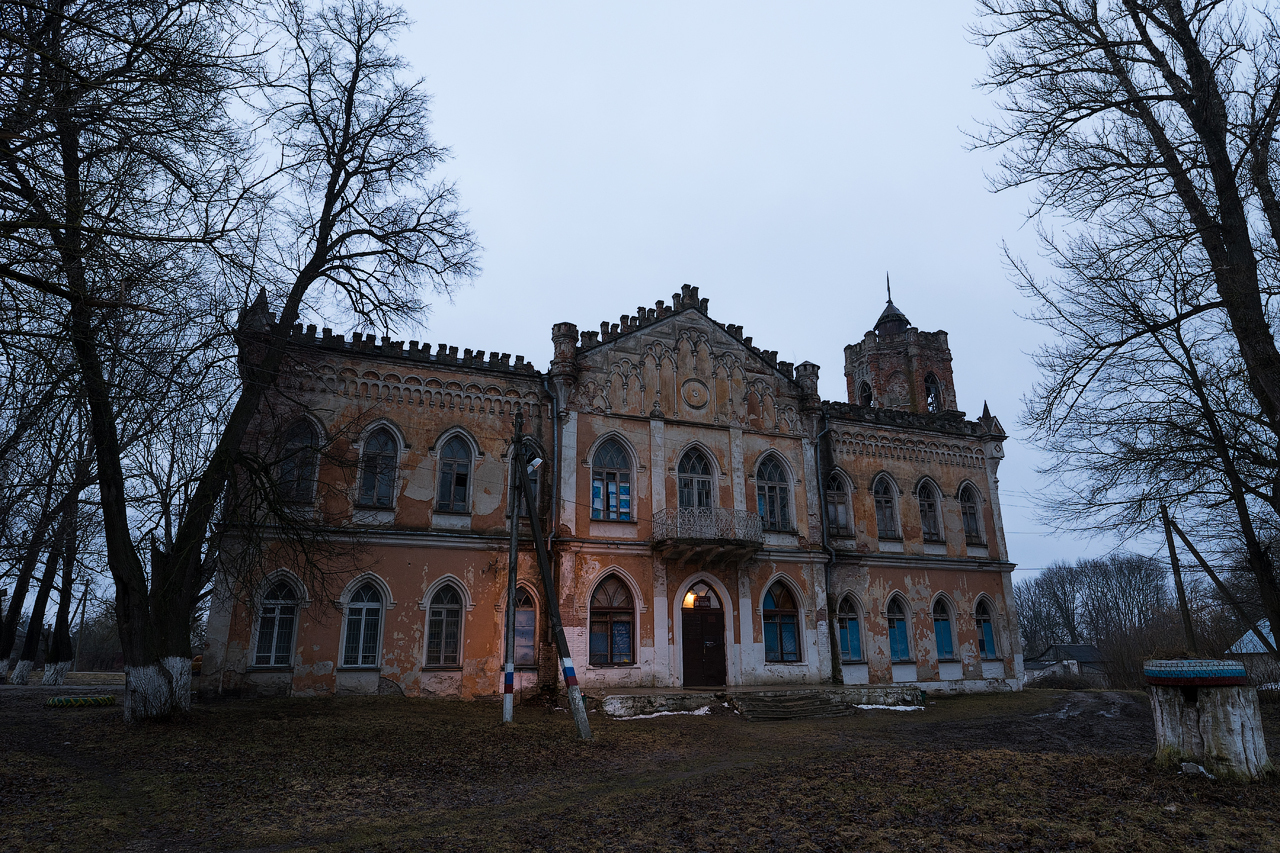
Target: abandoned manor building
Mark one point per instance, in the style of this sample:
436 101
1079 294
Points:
712 522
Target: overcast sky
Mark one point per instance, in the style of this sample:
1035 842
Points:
782 157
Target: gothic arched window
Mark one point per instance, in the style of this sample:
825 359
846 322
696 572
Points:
986 632
942 630
865 397
612 624
694 478
296 475
932 393
364 627
455 476
850 635
611 482
277 619
781 625
930 517
839 518
886 499
773 495
899 644
378 463
526 629
970 514
444 627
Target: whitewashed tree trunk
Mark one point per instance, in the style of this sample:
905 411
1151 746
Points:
21 671
1218 727
55 673
157 690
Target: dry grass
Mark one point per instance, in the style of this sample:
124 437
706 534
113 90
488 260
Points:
1041 770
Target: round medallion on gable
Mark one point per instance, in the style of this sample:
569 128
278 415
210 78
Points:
695 394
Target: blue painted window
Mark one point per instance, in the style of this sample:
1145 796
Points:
781 625
850 636
611 483
942 631
899 648
986 634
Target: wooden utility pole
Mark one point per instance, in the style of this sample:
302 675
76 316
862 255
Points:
1177 582
553 604
509 647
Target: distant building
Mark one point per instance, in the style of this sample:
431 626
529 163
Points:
716 523
1079 660
1262 667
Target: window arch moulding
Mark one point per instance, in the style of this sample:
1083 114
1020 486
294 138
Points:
588 588
388 602
468 603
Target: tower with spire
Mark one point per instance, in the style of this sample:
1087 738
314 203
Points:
897 366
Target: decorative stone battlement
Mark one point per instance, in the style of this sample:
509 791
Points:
686 299
368 343
950 422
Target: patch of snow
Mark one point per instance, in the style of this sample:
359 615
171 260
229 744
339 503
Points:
890 707
698 713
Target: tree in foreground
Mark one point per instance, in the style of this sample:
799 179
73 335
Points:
132 197
1150 127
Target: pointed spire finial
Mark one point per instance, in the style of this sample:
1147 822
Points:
888 290
986 412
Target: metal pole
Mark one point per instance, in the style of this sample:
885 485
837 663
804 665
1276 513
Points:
509 647
553 604
1177 583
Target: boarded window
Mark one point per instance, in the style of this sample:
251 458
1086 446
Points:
276 623
612 624
364 627
444 627
781 625
611 483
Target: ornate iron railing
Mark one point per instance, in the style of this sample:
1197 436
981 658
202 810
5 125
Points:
707 524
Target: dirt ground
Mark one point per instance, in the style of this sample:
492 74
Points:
1036 771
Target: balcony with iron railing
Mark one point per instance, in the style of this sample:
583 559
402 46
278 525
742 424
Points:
708 534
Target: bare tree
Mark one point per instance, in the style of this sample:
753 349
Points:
1150 126
127 197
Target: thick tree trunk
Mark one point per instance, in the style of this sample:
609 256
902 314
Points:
9 629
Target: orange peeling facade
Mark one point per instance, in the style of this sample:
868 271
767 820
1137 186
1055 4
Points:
739 479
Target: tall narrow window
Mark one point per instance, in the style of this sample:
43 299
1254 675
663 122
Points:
694 477
886 499
444 627
986 633
932 393
526 629
942 630
850 636
865 397
969 515
364 627
276 626
839 522
612 624
455 476
773 495
296 476
781 625
899 647
378 464
611 483
930 518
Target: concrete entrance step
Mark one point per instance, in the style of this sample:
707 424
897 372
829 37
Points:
761 703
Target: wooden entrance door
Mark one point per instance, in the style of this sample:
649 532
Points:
703 640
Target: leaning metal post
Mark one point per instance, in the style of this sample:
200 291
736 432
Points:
509 647
553 604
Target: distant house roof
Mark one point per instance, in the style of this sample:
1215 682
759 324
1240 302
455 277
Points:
1249 644
1084 654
